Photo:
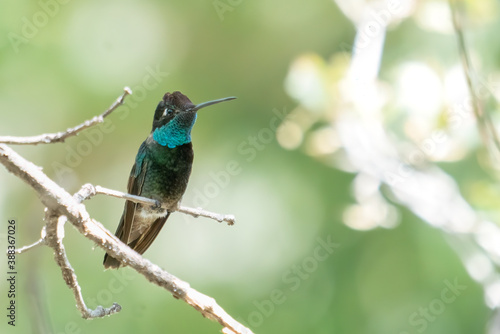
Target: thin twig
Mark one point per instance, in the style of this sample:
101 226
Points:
88 190
199 212
55 235
59 201
28 247
35 244
48 138
487 129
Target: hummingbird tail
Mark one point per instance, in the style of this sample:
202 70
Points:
140 245
110 262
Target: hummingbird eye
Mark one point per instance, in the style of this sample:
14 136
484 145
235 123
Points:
168 111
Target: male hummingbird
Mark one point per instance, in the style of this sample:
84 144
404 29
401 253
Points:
160 172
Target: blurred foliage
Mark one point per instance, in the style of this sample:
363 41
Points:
62 62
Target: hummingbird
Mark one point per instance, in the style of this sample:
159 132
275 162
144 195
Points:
161 172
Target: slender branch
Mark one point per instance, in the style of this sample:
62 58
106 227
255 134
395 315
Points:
23 249
487 129
55 235
88 190
48 138
60 202
199 212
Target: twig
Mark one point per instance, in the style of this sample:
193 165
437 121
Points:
487 129
40 241
88 190
48 138
199 212
28 247
55 234
60 202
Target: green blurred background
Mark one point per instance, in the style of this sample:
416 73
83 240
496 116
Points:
272 269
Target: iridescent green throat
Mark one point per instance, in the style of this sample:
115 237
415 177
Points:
176 132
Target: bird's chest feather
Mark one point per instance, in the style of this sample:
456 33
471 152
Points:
167 172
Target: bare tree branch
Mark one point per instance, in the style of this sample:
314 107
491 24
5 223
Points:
88 190
55 234
60 202
48 138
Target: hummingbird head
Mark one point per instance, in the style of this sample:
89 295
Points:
172 105
174 118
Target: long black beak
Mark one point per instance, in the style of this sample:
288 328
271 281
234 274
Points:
209 103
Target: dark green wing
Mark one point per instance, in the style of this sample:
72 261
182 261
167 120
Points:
141 244
134 187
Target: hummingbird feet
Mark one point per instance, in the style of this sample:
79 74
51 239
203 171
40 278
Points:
157 205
